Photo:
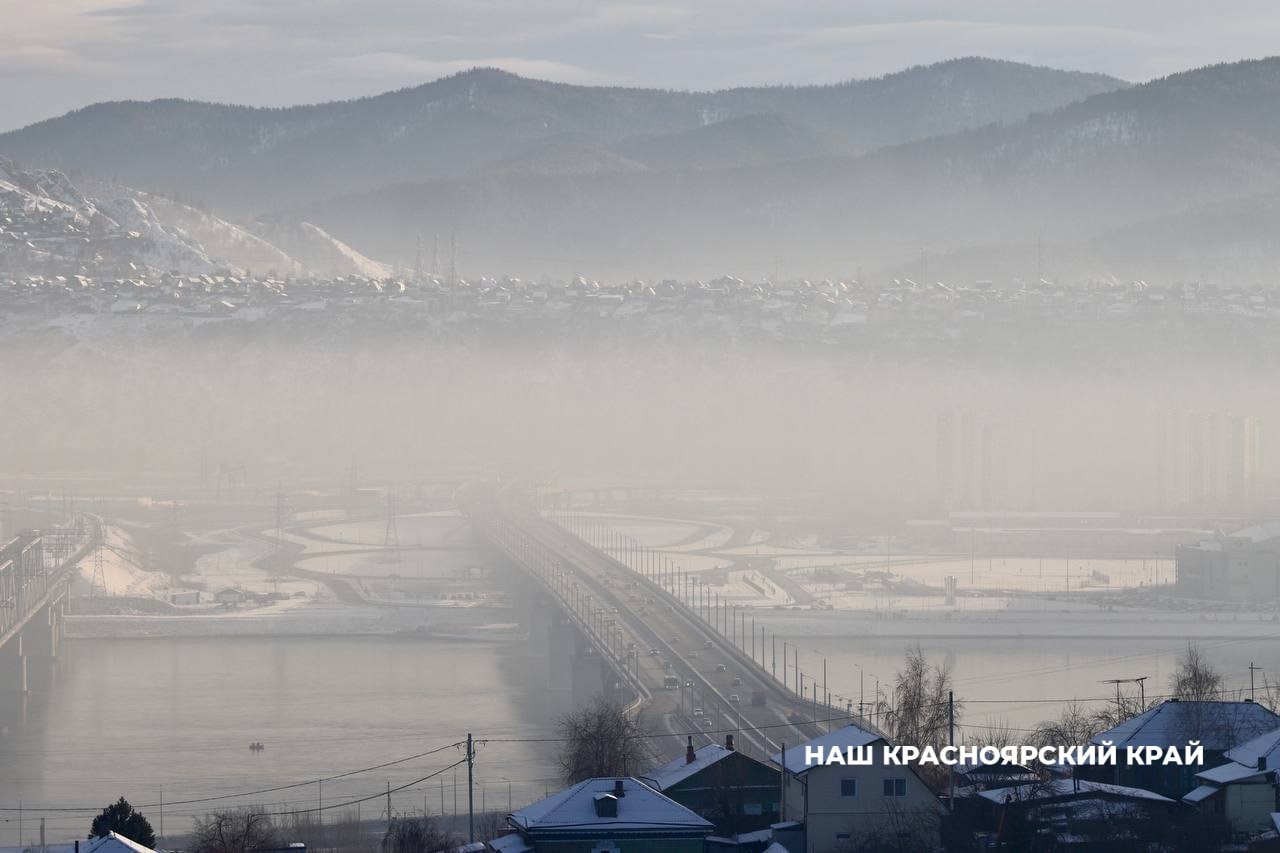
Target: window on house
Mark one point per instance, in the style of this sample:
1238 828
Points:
895 787
848 787
842 836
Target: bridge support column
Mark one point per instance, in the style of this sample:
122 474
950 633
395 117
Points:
43 633
13 667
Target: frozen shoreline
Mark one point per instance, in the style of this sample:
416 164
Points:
481 623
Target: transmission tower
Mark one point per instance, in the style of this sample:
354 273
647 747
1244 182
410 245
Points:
98 584
453 258
353 489
391 538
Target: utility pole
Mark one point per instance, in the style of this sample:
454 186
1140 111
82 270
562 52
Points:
453 258
471 806
782 799
1252 670
951 741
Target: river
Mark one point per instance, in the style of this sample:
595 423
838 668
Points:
171 720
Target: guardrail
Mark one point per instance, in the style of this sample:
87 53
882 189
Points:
27 583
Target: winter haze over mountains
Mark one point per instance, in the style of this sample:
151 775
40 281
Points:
967 169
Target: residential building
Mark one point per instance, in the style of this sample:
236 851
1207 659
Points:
1071 814
1243 792
735 792
1217 726
842 803
605 815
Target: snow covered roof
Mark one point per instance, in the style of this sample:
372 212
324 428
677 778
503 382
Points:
1259 532
679 769
1217 725
1265 746
1199 795
1225 774
842 738
1067 788
513 843
640 809
113 842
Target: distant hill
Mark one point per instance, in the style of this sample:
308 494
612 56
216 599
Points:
245 160
52 224
1179 146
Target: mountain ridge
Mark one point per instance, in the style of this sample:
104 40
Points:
248 160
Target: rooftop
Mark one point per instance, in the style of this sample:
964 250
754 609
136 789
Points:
1217 725
842 738
1068 788
639 809
679 769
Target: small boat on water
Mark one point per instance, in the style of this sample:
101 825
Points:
256 746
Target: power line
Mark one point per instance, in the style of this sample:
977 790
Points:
94 809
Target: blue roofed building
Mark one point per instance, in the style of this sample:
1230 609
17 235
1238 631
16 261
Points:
1218 726
1242 793
734 791
605 815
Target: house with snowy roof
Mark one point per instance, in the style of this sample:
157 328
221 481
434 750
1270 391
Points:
1071 814
1243 792
735 792
114 842
1218 726
843 804
605 815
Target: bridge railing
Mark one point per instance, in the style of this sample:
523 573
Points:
26 576
541 563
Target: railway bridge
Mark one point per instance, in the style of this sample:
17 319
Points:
36 571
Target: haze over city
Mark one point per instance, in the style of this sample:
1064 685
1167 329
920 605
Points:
694 426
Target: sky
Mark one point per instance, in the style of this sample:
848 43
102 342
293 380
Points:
58 55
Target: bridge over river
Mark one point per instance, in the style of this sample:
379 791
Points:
691 663
36 571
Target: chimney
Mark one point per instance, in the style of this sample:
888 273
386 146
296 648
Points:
728 742
689 755
606 805
617 789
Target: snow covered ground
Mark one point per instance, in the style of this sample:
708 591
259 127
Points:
864 581
122 572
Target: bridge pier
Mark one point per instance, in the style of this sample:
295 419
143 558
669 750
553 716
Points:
13 668
43 634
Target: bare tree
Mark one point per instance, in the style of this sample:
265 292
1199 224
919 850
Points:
1195 679
917 711
1075 726
415 834
997 732
233 831
601 739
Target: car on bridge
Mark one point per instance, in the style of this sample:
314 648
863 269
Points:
737 681
721 668
710 644
733 697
